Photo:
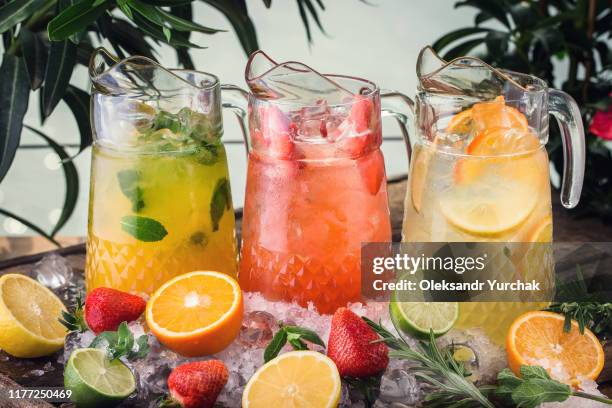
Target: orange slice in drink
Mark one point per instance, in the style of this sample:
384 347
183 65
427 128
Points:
538 338
418 174
195 314
496 114
543 232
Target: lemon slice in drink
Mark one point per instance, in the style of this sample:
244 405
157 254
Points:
96 381
29 313
490 206
419 318
304 379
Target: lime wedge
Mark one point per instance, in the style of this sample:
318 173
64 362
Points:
418 318
96 381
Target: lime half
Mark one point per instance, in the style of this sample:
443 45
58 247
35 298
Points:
418 318
96 381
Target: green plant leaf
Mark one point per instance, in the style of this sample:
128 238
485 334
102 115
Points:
531 393
151 13
14 96
276 345
463 48
75 18
267 3
305 334
143 228
30 225
16 11
176 40
493 8
497 42
129 38
305 8
72 181
182 54
220 202
455 35
35 53
181 24
236 13
78 102
129 182
61 61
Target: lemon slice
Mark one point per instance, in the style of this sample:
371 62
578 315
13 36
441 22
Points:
304 379
490 206
29 313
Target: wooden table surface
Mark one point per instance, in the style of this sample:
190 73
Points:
18 254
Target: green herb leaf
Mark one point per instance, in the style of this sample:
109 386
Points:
121 343
276 345
143 228
534 372
129 182
199 238
533 392
306 334
207 154
221 201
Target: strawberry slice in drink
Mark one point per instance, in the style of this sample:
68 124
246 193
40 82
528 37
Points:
277 131
354 134
372 170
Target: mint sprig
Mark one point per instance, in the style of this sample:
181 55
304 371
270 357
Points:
121 343
535 387
129 182
220 202
295 336
143 228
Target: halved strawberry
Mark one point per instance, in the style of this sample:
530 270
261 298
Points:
372 170
361 114
277 131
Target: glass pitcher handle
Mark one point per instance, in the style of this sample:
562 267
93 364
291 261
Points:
389 109
236 99
564 108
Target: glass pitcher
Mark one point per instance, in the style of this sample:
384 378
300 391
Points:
479 169
316 185
160 201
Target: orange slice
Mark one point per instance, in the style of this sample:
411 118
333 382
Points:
418 174
461 122
537 338
543 232
496 114
195 314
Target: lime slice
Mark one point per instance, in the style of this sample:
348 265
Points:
418 318
96 381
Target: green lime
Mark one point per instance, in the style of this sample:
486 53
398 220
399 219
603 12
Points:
96 381
418 318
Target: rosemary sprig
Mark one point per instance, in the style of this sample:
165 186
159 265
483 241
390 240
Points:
447 379
594 315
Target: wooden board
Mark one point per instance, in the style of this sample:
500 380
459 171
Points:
27 372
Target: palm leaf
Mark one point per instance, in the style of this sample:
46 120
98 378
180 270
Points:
72 181
30 225
14 96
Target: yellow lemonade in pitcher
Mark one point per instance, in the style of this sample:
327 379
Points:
155 214
492 186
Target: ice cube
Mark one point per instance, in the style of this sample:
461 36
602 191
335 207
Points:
291 82
53 271
257 329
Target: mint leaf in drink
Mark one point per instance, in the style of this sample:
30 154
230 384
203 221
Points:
221 201
199 238
129 183
207 154
143 228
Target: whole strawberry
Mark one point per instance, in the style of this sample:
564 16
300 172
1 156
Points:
351 346
196 385
106 308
